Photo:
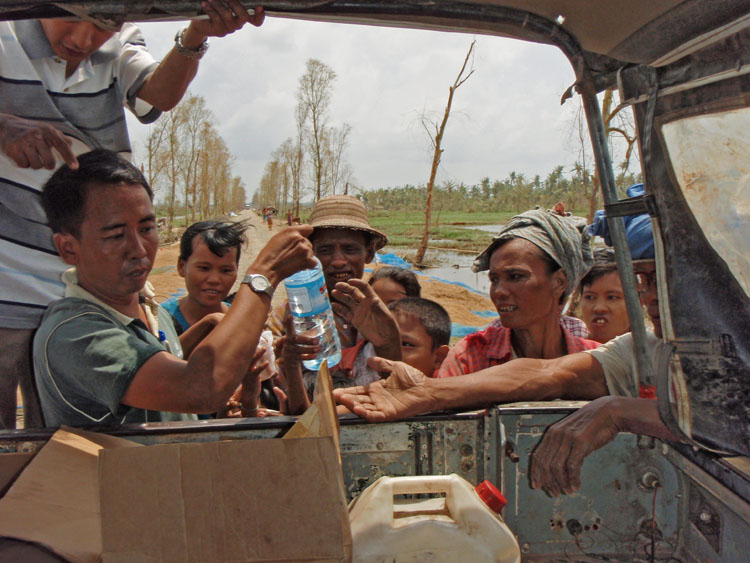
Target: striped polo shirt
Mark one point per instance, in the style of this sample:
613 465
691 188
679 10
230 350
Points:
88 106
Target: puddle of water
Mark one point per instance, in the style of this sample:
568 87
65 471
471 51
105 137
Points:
494 229
456 268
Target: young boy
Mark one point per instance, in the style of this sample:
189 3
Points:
209 256
425 328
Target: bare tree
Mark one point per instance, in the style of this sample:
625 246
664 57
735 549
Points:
154 143
618 124
194 117
239 195
314 99
338 171
436 138
298 156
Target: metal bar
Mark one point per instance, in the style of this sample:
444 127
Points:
632 206
616 226
456 16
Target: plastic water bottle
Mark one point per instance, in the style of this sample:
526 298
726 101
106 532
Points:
312 314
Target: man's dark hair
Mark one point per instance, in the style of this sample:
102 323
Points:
64 194
604 263
219 236
434 318
401 276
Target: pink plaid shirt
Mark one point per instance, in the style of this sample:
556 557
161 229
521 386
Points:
573 325
492 346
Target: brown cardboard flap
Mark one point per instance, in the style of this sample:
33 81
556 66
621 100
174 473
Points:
55 500
94 497
320 419
257 500
11 465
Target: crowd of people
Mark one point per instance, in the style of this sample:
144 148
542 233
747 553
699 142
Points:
76 269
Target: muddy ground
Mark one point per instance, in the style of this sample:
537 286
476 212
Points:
459 302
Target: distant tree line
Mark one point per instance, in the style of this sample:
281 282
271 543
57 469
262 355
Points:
189 165
515 193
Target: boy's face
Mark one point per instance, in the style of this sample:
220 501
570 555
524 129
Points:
416 344
208 278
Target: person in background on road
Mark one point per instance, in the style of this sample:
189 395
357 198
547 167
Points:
107 354
534 263
63 85
289 218
602 299
392 283
607 374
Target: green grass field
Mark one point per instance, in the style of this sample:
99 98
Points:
405 228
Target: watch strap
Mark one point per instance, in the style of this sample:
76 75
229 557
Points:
195 54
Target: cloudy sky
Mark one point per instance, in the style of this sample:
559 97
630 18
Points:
506 117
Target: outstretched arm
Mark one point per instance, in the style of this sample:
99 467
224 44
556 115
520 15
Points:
556 462
165 87
406 392
218 364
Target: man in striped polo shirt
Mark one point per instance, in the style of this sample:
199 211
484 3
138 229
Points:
63 88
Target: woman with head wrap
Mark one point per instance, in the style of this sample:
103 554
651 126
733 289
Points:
535 262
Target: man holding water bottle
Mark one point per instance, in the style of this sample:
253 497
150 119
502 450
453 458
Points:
105 353
344 242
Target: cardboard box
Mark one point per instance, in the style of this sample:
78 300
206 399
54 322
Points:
94 497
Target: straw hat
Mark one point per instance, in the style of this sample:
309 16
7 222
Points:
344 212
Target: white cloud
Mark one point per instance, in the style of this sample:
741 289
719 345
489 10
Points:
506 117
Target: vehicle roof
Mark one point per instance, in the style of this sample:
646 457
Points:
631 31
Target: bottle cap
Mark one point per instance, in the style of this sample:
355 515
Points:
491 496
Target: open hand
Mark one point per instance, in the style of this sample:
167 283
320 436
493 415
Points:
30 144
405 392
360 306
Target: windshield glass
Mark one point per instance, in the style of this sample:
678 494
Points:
710 155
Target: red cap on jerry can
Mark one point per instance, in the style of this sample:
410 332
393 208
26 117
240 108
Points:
491 496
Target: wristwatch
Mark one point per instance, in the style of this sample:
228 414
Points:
195 54
259 284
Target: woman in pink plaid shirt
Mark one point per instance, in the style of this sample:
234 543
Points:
534 263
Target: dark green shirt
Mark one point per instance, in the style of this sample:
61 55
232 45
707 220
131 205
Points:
85 357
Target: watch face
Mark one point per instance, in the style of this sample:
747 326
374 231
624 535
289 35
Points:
260 283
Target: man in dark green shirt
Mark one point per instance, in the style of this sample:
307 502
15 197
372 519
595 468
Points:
104 353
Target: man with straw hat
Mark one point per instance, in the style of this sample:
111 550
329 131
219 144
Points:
344 242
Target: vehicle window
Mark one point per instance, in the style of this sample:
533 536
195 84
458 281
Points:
710 156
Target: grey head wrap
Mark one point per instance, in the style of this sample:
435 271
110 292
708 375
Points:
564 238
